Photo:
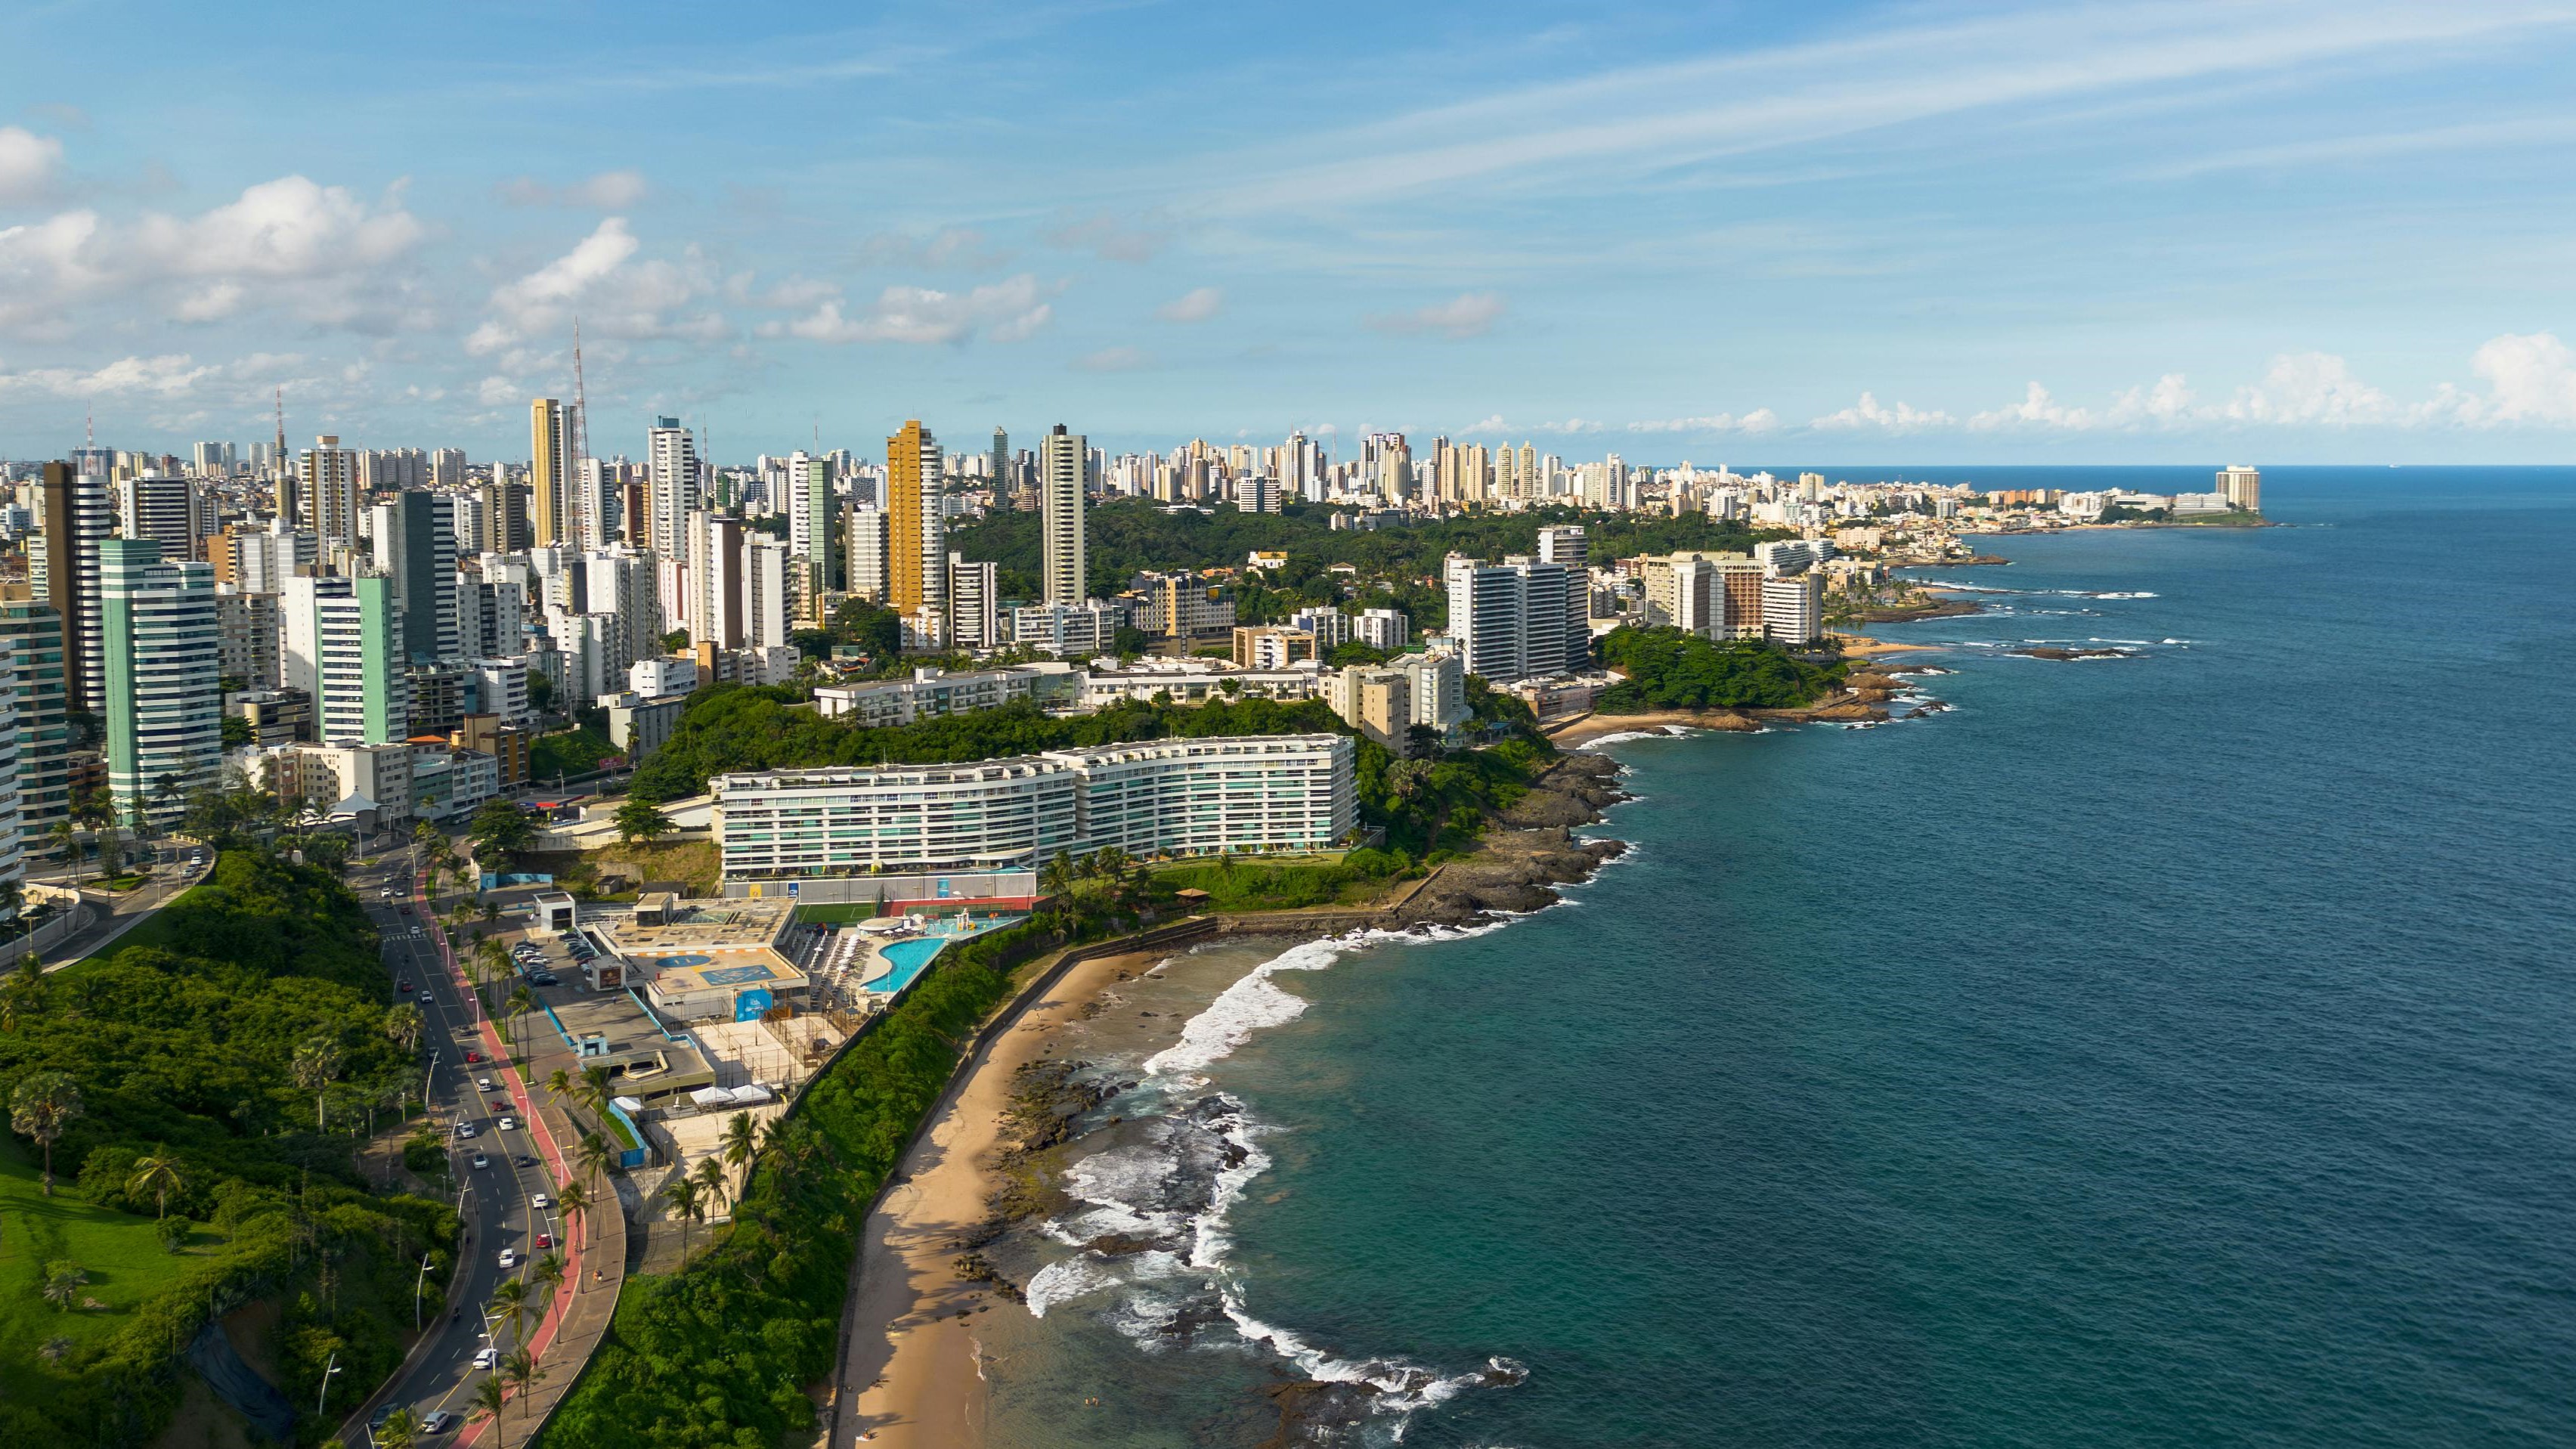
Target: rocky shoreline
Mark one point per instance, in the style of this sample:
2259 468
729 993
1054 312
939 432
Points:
1909 613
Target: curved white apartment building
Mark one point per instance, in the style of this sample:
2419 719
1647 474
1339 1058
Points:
1149 798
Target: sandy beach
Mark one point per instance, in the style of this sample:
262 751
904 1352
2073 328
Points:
914 1353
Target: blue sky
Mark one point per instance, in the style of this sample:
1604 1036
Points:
1847 233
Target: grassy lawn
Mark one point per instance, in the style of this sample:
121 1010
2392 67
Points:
692 862
571 752
836 915
124 1260
156 930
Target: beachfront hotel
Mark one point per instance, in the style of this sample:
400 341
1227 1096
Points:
1149 798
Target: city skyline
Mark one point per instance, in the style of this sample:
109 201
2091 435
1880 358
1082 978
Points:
1861 234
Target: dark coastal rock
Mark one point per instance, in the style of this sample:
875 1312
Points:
2051 651
1120 1245
1849 710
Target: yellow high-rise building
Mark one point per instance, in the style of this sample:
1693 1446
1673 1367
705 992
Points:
914 528
548 487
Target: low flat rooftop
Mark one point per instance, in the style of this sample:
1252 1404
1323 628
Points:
706 927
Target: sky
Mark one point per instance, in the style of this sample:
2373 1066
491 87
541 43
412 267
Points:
1865 233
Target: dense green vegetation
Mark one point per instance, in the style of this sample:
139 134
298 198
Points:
220 1066
1133 535
1673 669
1423 805
568 752
719 1353
1234 885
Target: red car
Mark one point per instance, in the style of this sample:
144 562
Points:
545 1240
472 1055
403 986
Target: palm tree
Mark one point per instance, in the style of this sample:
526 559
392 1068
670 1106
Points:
591 1155
403 1026
711 1179
523 1373
399 1430
510 1300
43 1105
574 1199
737 1142
66 839
682 1195
488 1398
594 1090
316 1063
521 1002
549 1272
158 1175
63 1282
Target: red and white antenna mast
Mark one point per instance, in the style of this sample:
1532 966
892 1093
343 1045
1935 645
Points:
579 443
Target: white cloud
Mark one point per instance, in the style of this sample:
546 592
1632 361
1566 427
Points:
27 163
2035 410
1112 359
2531 378
170 375
615 291
1928 67
1006 311
607 191
2309 389
1869 413
317 252
2163 405
1195 305
1469 314
495 391
1760 420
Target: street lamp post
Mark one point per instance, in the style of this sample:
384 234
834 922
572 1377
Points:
328 1369
417 1279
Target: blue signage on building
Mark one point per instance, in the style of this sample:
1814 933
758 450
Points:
754 1004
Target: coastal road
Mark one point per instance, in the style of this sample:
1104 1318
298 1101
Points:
497 1200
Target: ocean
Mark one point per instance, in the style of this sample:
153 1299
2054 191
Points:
2171 1049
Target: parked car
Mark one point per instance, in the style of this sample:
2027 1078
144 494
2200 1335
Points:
546 978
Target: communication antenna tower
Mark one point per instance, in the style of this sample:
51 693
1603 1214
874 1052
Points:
580 440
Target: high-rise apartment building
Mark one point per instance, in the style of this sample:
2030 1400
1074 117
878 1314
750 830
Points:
813 523
505 518
1793 609
917 579
168 510
415 545
974 604
868 554
1510 619
63 571
32 634
327 491
719 595
247 627
1000 464
2242 487
343 646
163 707
551 510
1061 515
447 468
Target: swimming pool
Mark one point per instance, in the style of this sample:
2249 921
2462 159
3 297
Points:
904 961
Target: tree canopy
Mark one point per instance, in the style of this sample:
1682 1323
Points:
1675 669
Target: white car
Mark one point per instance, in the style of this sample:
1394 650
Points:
464 1130
415 930
540 1201
509 1124
481 1161
487 1358
482 1084
509 1257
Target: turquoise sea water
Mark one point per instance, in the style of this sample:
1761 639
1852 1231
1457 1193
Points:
2171 1050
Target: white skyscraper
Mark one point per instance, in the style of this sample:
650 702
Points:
1510 619
671 493
1061 517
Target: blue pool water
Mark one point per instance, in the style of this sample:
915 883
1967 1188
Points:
909 959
